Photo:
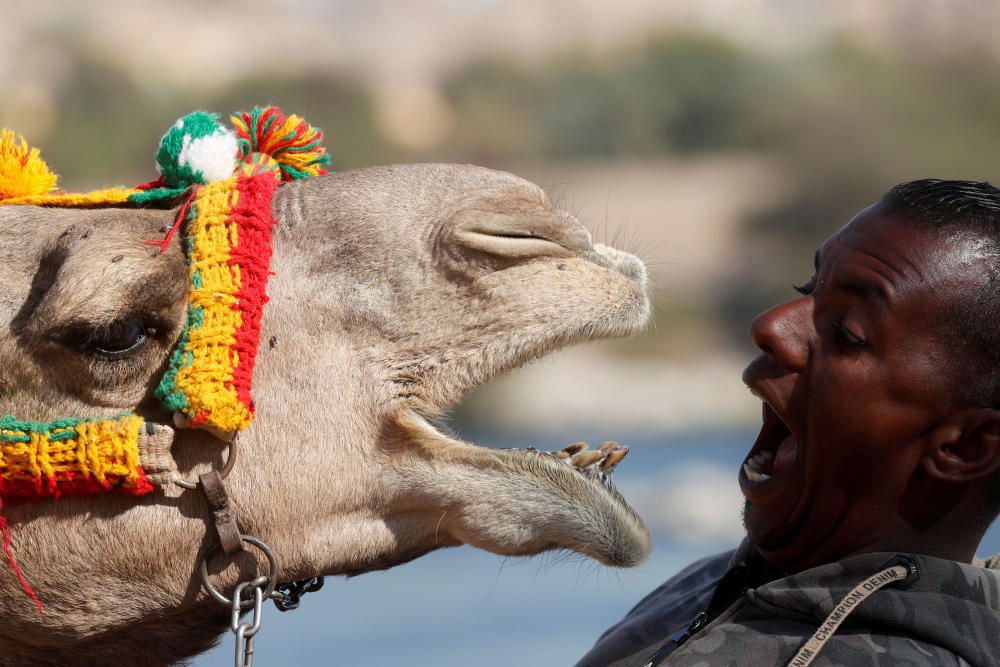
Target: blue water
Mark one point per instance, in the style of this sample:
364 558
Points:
466 607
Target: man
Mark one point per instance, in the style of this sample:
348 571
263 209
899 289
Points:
877 466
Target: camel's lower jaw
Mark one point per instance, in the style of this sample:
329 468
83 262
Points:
571 503
520 503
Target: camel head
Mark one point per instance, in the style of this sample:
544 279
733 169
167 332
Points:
396 291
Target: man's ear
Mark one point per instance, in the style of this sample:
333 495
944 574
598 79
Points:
965 447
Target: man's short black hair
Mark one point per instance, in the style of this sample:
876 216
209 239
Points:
953 204
966 210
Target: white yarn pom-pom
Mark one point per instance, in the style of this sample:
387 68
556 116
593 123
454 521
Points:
213 156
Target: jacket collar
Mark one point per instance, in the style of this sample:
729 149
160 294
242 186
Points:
952 605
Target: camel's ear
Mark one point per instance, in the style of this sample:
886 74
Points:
520 235
965 447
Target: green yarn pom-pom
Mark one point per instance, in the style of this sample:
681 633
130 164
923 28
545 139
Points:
198 149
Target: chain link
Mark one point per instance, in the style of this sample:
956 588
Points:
289 596
243 630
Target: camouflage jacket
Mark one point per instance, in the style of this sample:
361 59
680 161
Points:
948 614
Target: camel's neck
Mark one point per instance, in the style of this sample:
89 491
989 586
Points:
157 641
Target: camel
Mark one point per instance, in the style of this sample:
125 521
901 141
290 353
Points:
397 290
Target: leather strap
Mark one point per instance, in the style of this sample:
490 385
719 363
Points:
222 512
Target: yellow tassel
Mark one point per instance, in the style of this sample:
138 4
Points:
23 173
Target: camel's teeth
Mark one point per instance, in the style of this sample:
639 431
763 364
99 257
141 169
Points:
587 458
609 446
575 448
613 459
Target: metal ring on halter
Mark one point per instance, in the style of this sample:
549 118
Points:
224 473
271 578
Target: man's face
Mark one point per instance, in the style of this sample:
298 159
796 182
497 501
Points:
853 375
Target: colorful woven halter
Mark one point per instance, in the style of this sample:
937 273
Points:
225 180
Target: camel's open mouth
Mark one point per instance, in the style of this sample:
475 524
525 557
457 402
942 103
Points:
524 502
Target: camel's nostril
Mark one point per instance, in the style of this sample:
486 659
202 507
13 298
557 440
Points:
624 263
576 239
633 268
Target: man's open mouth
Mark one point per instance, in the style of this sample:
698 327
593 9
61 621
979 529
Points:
773 453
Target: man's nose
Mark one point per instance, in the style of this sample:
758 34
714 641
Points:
783 332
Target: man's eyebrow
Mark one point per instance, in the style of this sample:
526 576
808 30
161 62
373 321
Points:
865 289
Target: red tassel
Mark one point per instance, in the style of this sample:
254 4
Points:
181 215
5 529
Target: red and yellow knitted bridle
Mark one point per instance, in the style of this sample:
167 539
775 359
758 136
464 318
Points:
225 181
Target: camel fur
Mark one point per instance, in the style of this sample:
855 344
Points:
397 290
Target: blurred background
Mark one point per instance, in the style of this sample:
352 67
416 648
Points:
722 140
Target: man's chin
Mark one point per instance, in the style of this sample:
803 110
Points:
753 523
766 531
775 510
792 542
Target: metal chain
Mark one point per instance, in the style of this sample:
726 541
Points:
289 596
248 595
243 630
251 594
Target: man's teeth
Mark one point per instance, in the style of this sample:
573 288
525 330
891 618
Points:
755 476
755 465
